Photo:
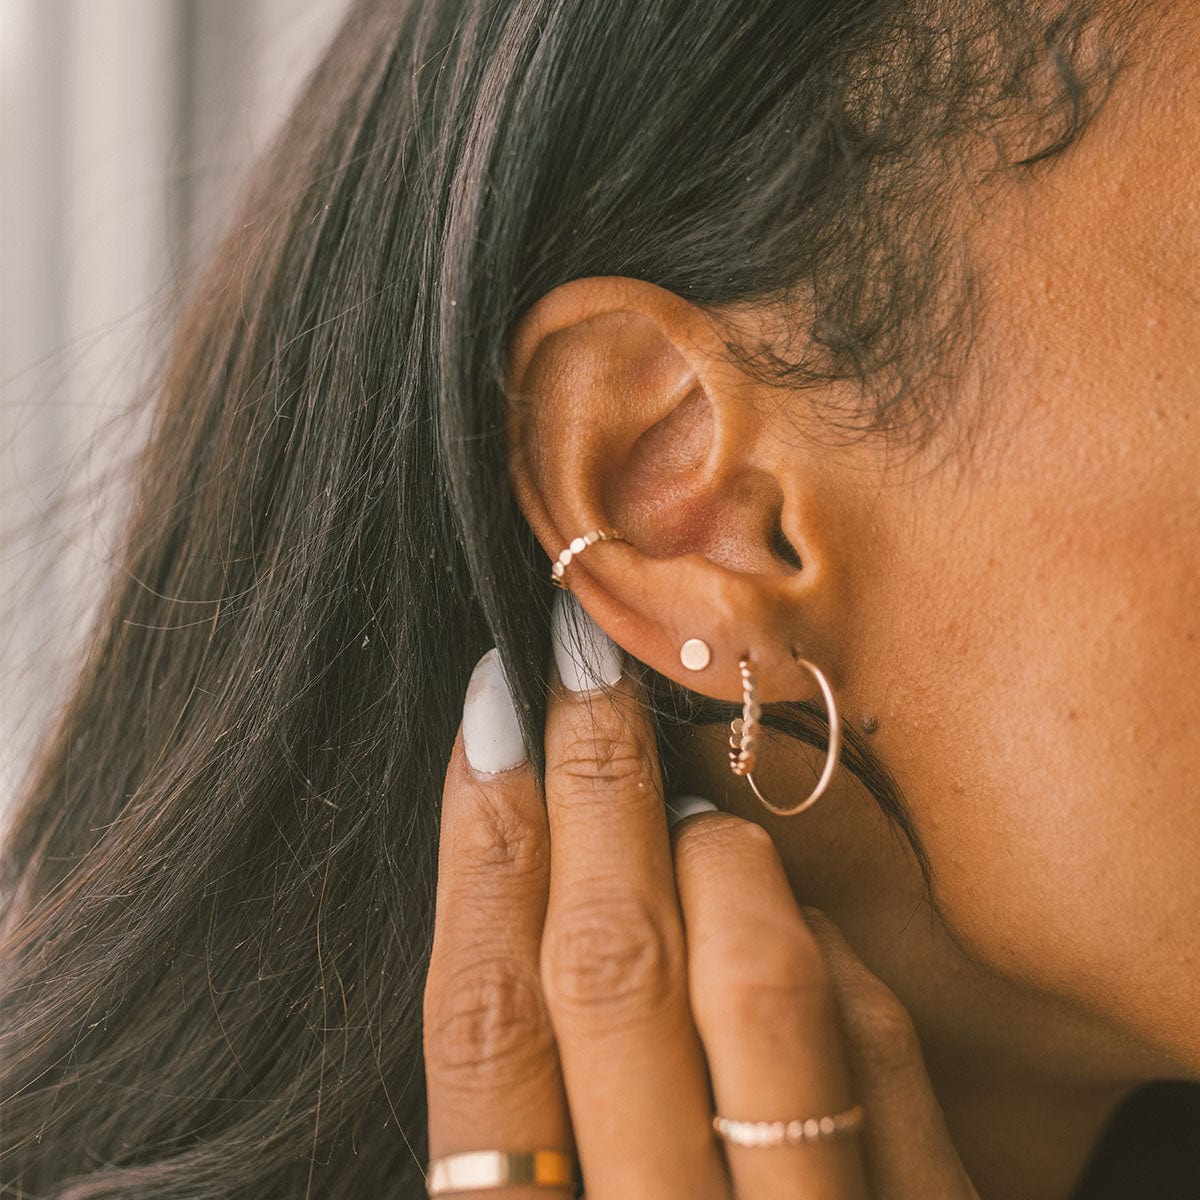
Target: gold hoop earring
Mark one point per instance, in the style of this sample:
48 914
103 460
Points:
743 741
578 546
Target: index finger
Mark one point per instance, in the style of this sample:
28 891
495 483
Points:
613 970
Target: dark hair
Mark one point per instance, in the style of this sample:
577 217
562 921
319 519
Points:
221 879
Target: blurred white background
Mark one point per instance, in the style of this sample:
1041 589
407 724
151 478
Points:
125 128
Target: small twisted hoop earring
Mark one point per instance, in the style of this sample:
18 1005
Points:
578 546
743 741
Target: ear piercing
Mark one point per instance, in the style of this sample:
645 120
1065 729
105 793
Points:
696 654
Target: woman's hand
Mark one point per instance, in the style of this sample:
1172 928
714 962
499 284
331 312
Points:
600 983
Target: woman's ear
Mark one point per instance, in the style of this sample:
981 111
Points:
625 411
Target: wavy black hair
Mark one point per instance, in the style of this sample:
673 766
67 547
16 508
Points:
220 882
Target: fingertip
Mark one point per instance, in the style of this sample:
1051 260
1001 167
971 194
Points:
823 927
588 660
828 936
491 732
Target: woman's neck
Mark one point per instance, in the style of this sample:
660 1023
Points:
1022 1138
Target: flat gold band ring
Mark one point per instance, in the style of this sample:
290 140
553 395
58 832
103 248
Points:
478 1170
791 1133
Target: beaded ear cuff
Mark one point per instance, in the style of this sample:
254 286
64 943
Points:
578 546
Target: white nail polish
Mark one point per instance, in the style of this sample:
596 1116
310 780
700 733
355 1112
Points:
679 807
491 734
586 657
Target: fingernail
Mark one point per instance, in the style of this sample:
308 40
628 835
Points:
586 657
679 807
491 734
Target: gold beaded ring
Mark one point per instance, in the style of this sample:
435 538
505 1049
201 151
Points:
790 1133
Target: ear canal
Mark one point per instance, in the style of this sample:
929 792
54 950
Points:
784 549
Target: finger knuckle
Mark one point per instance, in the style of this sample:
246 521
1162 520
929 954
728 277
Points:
609 960
594 758
771 981
484 1023
881 1028
500 836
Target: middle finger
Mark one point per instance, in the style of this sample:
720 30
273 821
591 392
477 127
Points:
613 966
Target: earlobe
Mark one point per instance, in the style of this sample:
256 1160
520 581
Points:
625 413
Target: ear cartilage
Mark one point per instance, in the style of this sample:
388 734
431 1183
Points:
578 546
695 654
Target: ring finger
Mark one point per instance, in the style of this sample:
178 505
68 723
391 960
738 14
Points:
765 1009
